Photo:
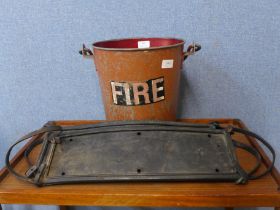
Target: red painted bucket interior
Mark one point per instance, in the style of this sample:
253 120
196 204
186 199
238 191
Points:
133 43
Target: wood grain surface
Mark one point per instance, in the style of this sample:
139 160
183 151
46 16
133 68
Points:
262 192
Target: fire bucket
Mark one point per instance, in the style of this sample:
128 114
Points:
139 77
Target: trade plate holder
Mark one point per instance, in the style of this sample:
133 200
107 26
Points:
133 151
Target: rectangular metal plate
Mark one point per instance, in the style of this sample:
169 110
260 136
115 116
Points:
139 152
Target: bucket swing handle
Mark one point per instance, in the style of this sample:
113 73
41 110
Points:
194 47
86 52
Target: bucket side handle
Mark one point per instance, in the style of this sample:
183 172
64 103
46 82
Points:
192 49
86 52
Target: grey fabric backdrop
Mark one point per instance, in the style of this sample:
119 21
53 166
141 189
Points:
43 78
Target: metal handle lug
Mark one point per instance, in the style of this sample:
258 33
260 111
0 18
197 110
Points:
86 52
192 49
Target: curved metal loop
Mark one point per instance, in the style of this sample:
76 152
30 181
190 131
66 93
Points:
86 52
24 138
192 49
265 143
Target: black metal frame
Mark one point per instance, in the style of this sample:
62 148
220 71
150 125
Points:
195 148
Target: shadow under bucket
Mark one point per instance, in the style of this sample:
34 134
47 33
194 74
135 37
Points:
139 77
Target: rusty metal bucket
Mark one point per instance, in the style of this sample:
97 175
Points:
139 77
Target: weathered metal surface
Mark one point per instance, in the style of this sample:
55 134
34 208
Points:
139 78
146 151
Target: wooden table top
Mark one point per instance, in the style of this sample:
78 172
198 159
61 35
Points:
262 192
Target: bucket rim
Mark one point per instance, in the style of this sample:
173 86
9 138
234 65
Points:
179 40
